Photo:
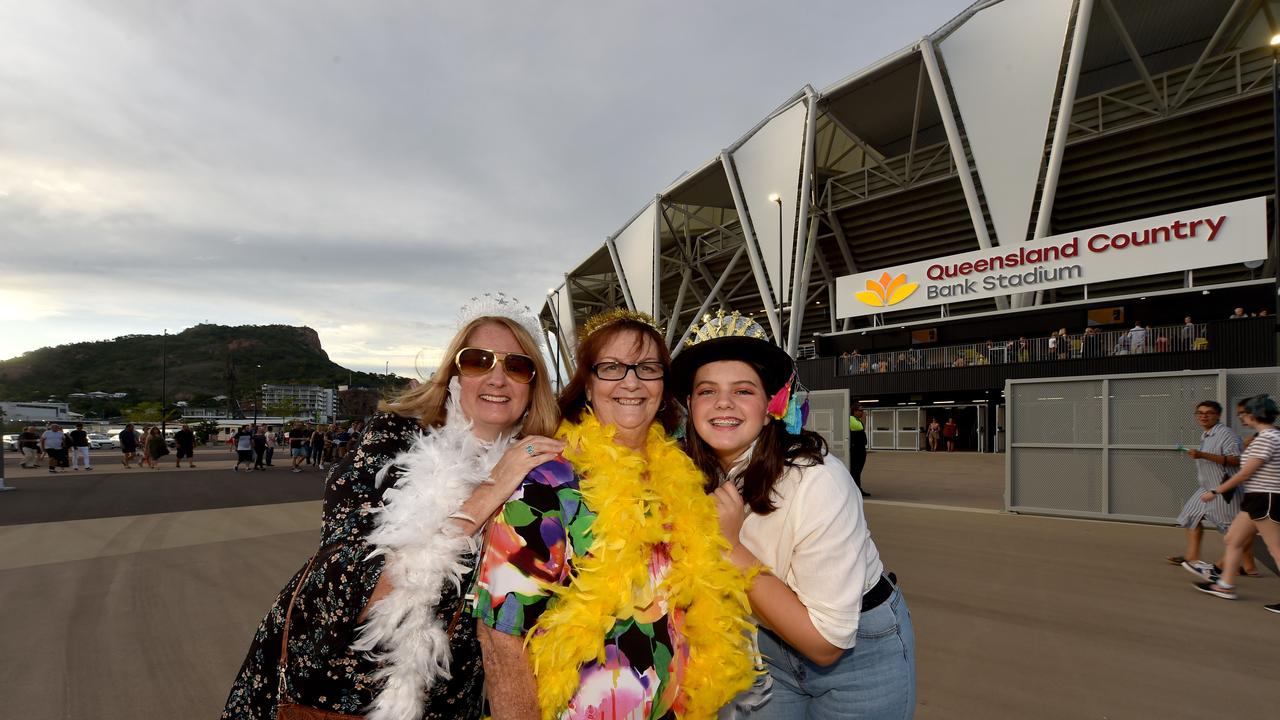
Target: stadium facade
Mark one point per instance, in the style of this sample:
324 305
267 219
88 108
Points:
1004 199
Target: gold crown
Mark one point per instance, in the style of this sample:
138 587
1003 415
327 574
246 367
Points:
609 317
725 325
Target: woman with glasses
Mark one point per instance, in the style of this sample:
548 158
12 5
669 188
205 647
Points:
605 575
1259 480
373 625
835 632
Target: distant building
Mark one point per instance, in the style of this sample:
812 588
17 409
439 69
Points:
38 412
313 402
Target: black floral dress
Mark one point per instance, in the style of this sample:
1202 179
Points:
323 671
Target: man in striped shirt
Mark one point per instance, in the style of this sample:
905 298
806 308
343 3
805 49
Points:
1216 457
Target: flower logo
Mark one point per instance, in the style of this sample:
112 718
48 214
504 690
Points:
887 291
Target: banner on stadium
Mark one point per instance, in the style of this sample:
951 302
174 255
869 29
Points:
1233 232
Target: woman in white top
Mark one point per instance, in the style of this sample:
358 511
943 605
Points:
1259 480
834 629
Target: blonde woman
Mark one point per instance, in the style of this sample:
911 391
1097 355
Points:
375 626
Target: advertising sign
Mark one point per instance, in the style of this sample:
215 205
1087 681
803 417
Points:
1233 232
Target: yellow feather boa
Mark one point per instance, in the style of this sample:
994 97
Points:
641 500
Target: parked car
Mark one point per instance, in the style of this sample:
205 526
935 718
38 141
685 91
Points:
97 441
11 443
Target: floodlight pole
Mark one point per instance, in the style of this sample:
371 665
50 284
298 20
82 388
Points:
1274 249
778 200
256 389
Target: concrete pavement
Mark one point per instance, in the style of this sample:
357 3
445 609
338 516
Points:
149 615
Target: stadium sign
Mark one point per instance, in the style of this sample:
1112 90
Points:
1233 232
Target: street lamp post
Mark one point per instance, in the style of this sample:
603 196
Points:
164 379
257 390
777 199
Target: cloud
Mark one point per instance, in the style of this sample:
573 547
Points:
363 168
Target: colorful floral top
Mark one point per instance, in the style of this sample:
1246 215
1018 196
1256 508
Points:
531 547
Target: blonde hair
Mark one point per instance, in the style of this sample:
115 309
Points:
427 401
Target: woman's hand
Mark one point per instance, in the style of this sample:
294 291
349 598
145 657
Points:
515 464
1208 496
731 509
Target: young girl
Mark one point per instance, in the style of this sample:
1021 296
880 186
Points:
834 628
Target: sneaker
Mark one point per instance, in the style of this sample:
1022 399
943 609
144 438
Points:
89 468
296 470
1217 590
1269 608
52 470
1200 569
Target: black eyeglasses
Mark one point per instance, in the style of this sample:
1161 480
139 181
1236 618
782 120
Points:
613 370
473 361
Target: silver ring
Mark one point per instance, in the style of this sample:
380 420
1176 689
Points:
528 449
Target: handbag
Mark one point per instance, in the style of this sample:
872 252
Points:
287 709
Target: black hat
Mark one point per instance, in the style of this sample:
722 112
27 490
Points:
731 337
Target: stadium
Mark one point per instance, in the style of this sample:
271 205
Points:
1003 200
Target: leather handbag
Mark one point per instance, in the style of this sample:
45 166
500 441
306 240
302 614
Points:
286 709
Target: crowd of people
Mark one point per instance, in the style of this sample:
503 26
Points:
1058 345
309 444
490 548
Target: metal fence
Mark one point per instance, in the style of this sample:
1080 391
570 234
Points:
1061 346
1108 447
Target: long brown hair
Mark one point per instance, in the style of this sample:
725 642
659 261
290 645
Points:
775 450
427 401
573 399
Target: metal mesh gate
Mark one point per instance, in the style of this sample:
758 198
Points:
1106 447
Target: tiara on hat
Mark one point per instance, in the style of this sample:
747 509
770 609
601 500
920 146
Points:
609 317
791 403
725 325
502 305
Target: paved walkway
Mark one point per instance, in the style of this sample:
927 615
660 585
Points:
1017 617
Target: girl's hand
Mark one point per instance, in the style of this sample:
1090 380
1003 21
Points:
731 509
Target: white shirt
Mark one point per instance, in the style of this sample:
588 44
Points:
818 543
52 440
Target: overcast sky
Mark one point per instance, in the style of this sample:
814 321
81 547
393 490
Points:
364 168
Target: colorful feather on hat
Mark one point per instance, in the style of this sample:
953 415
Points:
778 404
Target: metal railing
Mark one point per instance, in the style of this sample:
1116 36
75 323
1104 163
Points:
1062 346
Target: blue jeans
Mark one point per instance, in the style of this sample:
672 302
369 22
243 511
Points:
874 680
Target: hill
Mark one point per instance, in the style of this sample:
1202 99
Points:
200 363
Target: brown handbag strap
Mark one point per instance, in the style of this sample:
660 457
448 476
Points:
325 552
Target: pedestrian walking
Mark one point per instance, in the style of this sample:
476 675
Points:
272 442
950 431
128 445
259 448
934 434
1215 459
79 450
29 444
858 445
1259 480
54 444
244 449
297 446
156 447
316 454
184 442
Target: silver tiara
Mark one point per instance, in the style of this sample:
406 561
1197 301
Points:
503 305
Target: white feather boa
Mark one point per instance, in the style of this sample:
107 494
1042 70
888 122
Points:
423 551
